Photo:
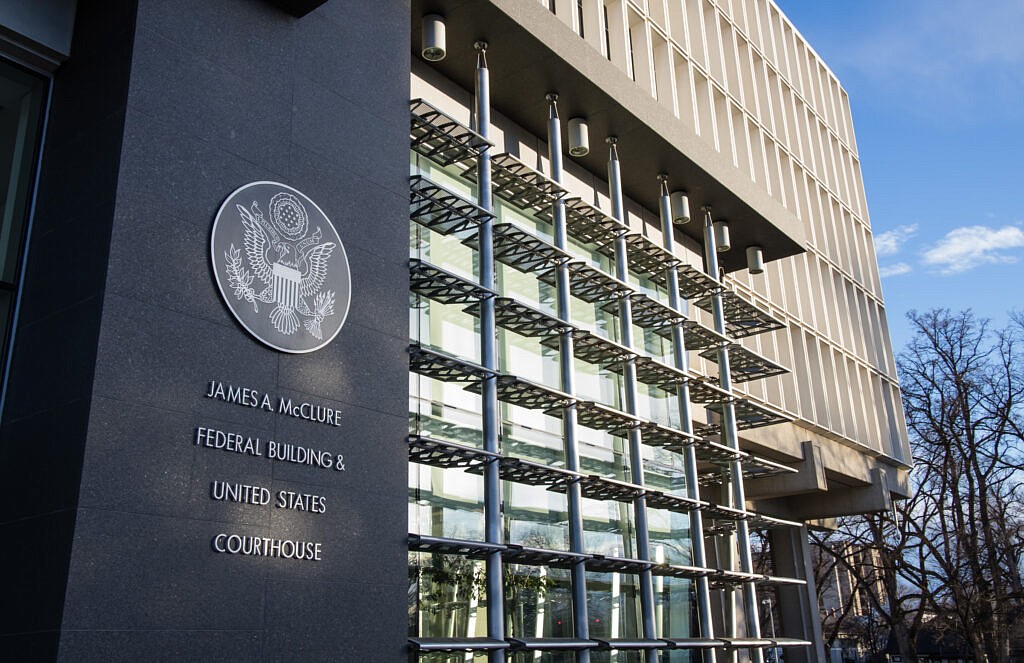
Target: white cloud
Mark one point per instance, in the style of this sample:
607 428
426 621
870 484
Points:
965 248
894 270
889 242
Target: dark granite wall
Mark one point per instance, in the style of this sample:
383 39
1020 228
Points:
222 93
49 388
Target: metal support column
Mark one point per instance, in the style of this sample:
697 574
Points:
798 605
489 359
686 421
725 552
629 386
574 497
730 438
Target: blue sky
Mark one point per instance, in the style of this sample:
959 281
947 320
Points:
937 92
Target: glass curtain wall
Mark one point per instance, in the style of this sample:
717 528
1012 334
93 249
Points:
447 598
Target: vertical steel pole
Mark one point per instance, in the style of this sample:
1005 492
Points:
574 497
629 386
731 438
686 420
488 358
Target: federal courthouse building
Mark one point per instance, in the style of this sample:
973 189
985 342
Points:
442 330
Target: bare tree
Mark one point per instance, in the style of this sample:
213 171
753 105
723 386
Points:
889 583
952 553
963 389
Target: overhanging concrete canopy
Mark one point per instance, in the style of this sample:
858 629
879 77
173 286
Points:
531 53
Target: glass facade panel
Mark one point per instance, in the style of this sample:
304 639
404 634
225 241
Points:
538 603
445 502
535 517
608 528
676 608
613 605
542 444
22 96
446 598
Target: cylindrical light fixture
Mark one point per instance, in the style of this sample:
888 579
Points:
722 243
755 260
434 48
579 137
680 207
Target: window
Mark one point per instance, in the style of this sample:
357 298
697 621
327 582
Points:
21 102
607 34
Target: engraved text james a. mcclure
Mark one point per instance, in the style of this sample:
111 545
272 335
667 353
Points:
253 398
